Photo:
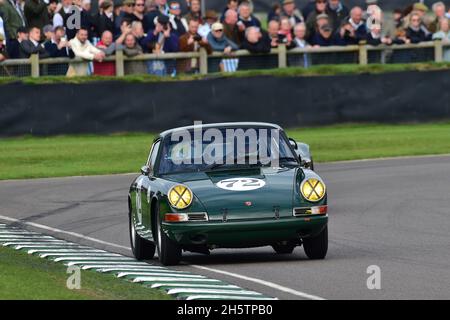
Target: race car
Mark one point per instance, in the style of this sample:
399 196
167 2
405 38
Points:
227 185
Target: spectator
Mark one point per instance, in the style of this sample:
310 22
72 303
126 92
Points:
3 33
139 12
61 18
36 13
163 35
300 60
156 67
321 20
246 17
106 44
285 35
308 8
439 13
3 52
230 28
444 35
58 47
51 9
210 18
231 5
272 29
300 36
291 12
354 30
105 18
138 32
160 7
191 41
48 33
256 40
338 12
218 41
194 12
32 45
127 11
82 48
177 22
274 13
131 49
375 38
13 19
14 45
325 37
320 9
415 32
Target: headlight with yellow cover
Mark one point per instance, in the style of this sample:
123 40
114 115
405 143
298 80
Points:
313 189
180 197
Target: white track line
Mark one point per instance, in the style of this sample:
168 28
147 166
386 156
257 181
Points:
230 274
73 234
262 282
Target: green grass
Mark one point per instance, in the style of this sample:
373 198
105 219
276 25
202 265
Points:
36 157
27 277
319 70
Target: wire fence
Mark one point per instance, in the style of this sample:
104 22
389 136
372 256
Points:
170 64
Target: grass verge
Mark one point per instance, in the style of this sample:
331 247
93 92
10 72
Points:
28 277
37 157
319 70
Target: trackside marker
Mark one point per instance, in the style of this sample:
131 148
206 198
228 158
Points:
157 279
225 297
194 285
214 291
157 274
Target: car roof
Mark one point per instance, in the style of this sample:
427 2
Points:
223 125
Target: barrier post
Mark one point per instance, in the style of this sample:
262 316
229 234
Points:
282 56
438 51
34 60
203 61
120 72
362 54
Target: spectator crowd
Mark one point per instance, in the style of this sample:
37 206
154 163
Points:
70 28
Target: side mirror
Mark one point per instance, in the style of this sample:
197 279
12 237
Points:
293 143
145 170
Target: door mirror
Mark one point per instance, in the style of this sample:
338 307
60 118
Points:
293 143
145 170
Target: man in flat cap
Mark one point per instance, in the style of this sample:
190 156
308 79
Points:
311 21
289 10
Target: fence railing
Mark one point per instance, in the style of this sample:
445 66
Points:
280 57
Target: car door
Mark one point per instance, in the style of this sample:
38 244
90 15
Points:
144 189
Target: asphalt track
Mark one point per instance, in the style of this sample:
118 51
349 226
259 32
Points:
392 213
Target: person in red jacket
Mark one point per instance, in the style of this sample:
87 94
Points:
106 68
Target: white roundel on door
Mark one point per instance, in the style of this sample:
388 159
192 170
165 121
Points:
241 184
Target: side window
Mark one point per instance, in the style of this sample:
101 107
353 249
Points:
153 154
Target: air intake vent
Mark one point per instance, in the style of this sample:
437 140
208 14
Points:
301 211
198 216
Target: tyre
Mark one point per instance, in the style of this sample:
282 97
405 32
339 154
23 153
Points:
283 248
169 252
317 247
142 248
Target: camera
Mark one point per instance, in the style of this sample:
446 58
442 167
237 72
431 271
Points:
197 37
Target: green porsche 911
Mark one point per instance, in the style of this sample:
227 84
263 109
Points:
227 185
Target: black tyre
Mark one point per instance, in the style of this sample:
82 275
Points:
317 247
142 248
283 248
169 252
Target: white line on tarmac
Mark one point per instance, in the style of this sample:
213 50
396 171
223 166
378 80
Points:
262 282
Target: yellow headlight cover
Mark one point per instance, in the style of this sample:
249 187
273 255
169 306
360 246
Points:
180 197
313 189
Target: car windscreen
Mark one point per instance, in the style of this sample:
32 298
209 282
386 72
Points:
219 148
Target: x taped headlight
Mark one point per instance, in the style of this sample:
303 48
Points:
313 189
180 197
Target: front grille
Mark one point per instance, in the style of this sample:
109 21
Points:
198 216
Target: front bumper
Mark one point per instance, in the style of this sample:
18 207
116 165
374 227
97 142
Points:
245 233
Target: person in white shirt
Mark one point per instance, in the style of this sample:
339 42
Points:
83 48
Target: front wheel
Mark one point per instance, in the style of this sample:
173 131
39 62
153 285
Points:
317 247
142 248
169 252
